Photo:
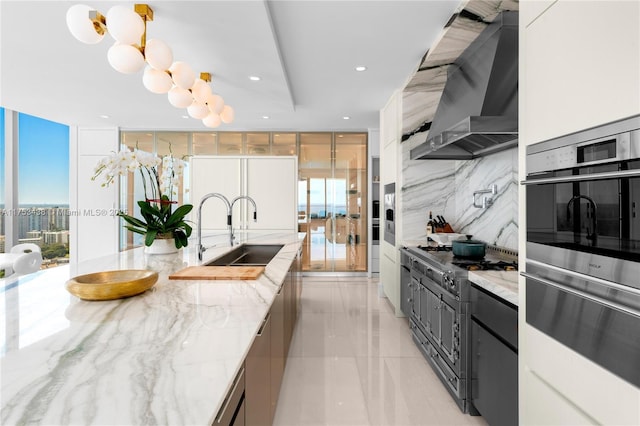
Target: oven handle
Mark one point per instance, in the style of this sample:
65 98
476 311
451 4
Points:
581 276
582 294
579 178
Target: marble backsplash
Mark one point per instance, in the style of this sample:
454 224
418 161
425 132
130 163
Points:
446 187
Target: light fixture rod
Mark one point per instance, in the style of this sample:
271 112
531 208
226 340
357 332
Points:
205 76
146 13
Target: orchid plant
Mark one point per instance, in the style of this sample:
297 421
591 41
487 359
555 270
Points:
160 180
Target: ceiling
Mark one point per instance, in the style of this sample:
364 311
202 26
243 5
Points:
304 51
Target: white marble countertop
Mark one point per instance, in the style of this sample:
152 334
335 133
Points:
167 356
503 284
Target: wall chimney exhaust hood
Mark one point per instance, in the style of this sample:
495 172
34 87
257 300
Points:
478 111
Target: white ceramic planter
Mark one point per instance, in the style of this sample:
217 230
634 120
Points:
161 246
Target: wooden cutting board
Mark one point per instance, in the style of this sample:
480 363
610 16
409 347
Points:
218 273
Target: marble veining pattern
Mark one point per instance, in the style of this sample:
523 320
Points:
446 187
503 284
167 356
497 224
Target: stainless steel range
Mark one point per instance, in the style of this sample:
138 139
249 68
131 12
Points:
437 295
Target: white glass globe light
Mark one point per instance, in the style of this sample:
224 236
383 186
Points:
80 26
158 54
227 115
198 110
182 74
212 120
216 103
179 97
201 91
125 25
125 58
156 81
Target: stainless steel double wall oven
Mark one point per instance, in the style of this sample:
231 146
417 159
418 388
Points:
583 243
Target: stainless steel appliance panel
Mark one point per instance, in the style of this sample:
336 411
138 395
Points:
597 319
389 213
405 282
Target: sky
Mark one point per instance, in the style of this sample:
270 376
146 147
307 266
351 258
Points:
43 165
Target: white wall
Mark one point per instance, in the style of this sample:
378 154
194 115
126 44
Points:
579 68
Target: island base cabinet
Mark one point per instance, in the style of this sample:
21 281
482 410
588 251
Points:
258 378
267 357
278 354
232 412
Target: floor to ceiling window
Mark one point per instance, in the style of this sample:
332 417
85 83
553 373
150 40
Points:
332 185
43 187
42 214
2 209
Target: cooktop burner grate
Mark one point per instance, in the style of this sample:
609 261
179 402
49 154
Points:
486 265
435 248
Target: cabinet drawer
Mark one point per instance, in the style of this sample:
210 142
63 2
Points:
494 384
500 317
232 411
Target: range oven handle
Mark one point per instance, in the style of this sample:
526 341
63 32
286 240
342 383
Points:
579 178
582 294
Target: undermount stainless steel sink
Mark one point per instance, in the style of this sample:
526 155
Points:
247 255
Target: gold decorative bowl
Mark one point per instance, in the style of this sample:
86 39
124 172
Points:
111 285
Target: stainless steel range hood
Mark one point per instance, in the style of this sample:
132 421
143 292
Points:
478 111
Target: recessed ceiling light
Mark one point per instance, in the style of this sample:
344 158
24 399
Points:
361 68
254 78
104 116
185 116
266 117
346 117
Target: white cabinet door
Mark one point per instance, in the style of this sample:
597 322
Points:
579 65
94 226
214 174
97 225
272 183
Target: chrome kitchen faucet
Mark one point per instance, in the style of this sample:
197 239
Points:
255 214
201 248
229 205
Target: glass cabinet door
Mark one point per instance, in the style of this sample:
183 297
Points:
333 201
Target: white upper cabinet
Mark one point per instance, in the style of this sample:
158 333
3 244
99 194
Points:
270 181
579 66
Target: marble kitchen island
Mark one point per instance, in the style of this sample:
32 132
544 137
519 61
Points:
167 356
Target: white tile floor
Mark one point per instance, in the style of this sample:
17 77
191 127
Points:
352 362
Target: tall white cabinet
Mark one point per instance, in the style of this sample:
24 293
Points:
391 130
93 226
270 181
579 68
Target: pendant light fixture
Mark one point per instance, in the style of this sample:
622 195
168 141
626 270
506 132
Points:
132 52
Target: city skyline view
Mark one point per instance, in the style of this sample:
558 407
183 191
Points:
42 214
43 166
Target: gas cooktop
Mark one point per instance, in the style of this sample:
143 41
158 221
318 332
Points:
494 260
